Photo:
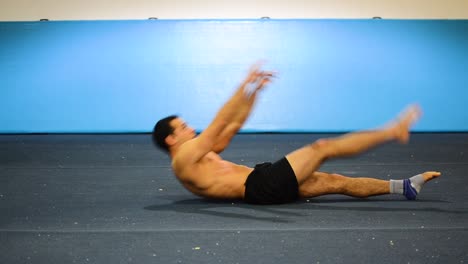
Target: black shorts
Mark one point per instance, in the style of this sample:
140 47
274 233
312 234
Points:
272 184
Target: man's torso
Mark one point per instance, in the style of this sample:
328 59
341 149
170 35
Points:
213 177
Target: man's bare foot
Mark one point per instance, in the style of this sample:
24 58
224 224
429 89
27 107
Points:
430 175
400 129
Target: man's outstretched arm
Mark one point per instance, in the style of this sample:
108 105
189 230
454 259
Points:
228 120
248 90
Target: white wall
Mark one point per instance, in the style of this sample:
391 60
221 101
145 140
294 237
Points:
30 10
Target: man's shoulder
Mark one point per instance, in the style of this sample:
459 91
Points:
185 150
179 163
182 158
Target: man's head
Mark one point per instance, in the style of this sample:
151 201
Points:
171 131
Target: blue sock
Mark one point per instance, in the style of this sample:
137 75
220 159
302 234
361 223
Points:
408 191
409 187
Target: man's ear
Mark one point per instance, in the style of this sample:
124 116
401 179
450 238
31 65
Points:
170 140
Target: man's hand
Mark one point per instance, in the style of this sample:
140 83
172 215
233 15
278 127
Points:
257 79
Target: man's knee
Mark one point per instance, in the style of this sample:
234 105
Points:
324 147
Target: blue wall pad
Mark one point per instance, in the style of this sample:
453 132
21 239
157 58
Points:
334 75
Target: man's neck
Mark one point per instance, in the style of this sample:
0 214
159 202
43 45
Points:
173 151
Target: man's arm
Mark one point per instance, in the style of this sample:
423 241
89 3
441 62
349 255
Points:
254 83
228 120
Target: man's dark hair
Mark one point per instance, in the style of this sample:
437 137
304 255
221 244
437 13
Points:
161 130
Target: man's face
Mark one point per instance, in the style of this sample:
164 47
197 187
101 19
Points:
182 132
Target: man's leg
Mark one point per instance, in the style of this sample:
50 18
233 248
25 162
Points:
358 142
321 183
306 160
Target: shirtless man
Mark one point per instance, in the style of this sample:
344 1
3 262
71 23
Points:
197 165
